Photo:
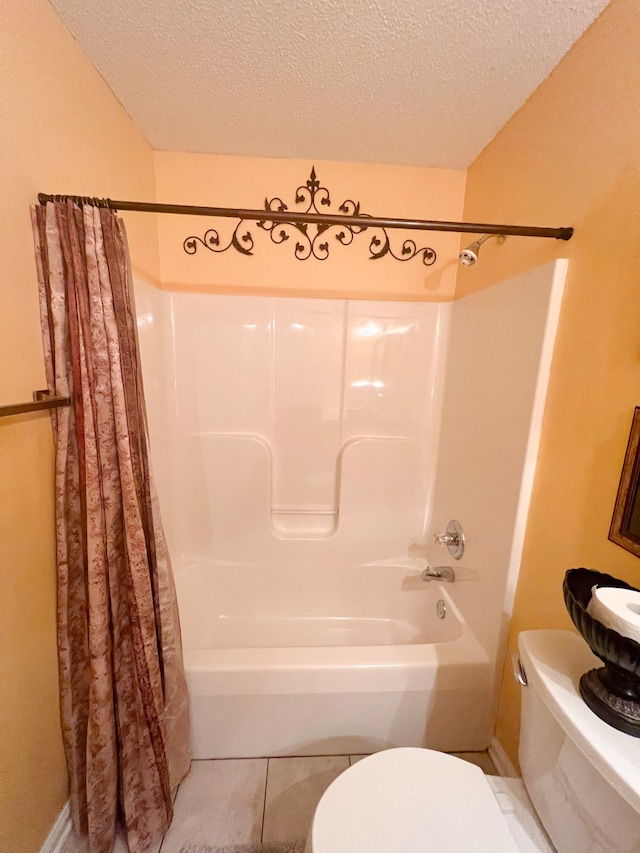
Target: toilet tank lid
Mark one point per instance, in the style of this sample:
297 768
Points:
553 662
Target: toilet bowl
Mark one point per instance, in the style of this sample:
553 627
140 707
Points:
583 778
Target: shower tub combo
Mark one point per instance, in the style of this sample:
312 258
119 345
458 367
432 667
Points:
364 664
301 446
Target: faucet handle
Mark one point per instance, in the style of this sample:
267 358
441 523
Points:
453 538
445 538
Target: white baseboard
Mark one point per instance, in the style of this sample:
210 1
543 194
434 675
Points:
59 833
503 763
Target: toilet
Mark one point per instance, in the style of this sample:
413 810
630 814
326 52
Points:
582 776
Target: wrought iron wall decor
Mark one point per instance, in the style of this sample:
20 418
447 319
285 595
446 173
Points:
312 239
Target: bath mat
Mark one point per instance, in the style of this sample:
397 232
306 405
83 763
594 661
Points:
277 847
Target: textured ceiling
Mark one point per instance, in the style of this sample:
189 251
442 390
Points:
416 82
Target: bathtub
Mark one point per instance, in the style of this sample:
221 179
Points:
327 661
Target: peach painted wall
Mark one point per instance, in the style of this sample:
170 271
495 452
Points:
389 191
571 156
61 130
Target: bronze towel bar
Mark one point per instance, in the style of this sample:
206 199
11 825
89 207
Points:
41 400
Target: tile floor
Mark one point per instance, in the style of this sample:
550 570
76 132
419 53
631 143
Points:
263 800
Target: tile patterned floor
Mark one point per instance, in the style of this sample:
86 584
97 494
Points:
220 802
294 788
253 800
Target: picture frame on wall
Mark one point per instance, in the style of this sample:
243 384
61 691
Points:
625 524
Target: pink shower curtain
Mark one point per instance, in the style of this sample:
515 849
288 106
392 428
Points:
124 701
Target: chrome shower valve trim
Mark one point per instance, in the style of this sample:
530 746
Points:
453 538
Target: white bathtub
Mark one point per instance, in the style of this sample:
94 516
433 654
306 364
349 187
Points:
364 664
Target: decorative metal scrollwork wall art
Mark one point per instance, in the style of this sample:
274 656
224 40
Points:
312 241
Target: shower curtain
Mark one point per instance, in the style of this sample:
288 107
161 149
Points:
123 696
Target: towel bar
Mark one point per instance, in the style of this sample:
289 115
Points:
41 400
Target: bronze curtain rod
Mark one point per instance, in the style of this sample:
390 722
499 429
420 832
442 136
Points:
318 218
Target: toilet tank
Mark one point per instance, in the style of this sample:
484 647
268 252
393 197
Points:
582 775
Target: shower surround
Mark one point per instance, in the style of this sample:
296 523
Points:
304 426
296 448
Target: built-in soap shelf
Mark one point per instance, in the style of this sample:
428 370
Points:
303 524
378 481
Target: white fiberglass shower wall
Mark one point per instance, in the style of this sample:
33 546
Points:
301 446
292 431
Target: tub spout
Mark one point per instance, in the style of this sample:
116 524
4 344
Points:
438 573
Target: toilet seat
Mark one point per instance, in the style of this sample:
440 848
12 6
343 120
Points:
410 800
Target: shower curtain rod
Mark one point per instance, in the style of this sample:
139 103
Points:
318 218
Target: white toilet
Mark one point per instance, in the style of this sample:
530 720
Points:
582 776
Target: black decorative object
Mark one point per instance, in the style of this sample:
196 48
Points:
612 692
312 238
211 241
